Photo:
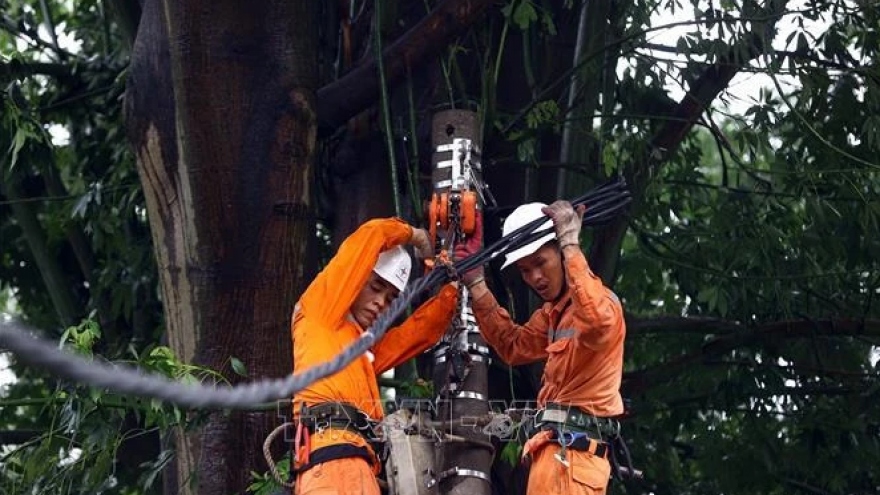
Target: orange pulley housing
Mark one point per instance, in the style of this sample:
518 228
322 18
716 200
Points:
439 214
439 211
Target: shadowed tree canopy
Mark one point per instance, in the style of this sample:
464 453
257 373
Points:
174 173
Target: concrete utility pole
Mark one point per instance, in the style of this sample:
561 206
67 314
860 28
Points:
464 459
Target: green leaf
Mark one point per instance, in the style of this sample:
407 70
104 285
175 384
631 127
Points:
238 367
511 453
547 21
803 46
155 468
524 15
609 160
525 150
18 142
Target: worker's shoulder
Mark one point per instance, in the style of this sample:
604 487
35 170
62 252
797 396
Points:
382 222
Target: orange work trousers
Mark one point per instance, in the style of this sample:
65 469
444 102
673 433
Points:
586 474
345 476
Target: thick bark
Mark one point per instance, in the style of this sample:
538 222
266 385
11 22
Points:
128 15
361 184
150 119
220 112
359 88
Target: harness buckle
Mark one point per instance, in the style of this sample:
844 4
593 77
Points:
567 438
320 426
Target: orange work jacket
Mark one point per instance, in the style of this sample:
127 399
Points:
322 327
581 336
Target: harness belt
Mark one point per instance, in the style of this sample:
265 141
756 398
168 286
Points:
340 415
571 418
331 453
576 430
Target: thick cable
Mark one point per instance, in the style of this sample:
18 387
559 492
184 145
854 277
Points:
42 353
605 201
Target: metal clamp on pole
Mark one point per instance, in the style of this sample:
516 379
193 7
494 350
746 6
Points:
457 471
467 394
477 358
465 156
476 351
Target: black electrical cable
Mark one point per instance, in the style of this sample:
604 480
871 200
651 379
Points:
603 203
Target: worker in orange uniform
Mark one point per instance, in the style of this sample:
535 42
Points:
336 415
579 330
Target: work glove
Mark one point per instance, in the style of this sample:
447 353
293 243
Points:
421 242
471 246
566 221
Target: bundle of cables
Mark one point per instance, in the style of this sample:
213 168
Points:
603 203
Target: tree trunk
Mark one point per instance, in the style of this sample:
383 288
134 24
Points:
223 125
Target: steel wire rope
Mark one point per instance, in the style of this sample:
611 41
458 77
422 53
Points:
45 354
606 201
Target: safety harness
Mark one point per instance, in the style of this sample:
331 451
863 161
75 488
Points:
338 415
319 417
576 430
556 416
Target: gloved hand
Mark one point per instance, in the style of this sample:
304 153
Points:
566 221
421 241
469 247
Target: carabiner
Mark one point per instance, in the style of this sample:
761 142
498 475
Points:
567 438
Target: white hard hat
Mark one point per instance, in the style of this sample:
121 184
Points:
522 215
394 266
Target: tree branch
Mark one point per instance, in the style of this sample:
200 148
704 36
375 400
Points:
712 82
805 486
16 69
17 437
30 35
356 90
63 299
636 326
638 382
606 246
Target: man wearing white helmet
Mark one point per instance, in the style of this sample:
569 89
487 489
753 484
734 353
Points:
335 414
579 330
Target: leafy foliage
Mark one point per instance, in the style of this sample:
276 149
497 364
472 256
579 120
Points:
94 438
